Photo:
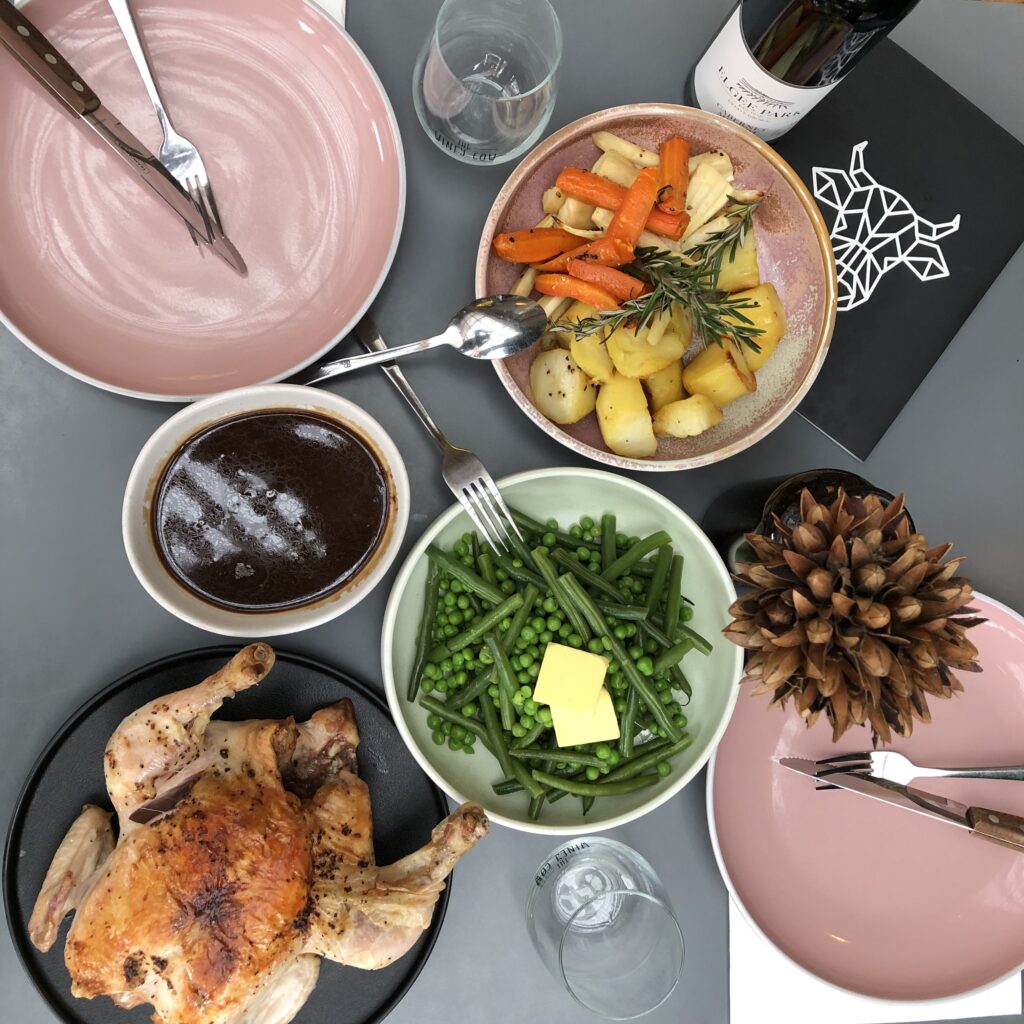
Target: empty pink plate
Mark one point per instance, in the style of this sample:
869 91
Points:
304 156
867 897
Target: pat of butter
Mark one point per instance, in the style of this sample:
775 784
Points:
574 727
570 678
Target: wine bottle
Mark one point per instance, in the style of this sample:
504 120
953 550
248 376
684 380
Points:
773 60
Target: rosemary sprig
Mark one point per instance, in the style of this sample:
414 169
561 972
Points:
690 281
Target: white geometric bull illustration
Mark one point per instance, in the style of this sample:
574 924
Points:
875 230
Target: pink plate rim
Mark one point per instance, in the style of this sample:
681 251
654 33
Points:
345 329
943 1001
593 122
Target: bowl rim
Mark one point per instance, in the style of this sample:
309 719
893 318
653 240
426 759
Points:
345 328
593 122
397 702
225 405
748 917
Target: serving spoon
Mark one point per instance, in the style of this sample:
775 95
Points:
494 327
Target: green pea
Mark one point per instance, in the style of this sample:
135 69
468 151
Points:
576 532
518 731
530 706
528 634
603 751
456 587
549 605
574 639
664 768
645 666
525 660
517 699
620 631
595 646
614 758
564 630
614 668
525 691
526 721
493 691
593 774
546 637
524 677
533 671
539 624
469 710
620 704
549 540
461 549
635 651
679 721
587 523
606 643
434 721
438 737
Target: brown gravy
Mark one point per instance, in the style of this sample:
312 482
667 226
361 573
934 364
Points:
270 510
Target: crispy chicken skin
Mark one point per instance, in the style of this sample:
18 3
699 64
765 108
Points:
218 910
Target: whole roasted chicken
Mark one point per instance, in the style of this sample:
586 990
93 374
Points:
244 855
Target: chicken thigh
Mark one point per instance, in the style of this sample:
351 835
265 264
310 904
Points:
245 854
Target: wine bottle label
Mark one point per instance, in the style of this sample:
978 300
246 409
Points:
729 82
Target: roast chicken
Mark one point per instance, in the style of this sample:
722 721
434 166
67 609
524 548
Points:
244 855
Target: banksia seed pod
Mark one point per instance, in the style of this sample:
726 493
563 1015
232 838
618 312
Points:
851 614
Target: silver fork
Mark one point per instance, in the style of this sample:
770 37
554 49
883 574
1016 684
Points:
177 154
463 472
893 767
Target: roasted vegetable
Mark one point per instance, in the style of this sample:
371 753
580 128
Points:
769 316
741 271
687 417
624 418
561 390
592 357
634 356
666 385
721 373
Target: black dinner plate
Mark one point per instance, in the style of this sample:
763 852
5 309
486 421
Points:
69 772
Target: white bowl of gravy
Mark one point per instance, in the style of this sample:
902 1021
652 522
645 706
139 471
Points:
265 510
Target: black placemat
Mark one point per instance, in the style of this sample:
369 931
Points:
406 805
950 207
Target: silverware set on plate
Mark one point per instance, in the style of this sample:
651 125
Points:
886 776
177 174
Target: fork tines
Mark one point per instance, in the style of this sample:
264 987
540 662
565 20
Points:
485 506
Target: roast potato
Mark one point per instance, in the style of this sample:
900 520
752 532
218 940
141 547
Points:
624 418
666 385
592 357
721 373
769 316
634 356
561 390
687 417
742 270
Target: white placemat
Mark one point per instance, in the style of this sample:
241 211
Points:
766 988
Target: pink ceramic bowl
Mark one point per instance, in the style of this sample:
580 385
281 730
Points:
793 249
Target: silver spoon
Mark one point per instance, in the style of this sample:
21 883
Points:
494 327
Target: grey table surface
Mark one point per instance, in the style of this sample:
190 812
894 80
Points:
73 617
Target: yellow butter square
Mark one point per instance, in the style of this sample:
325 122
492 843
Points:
575 727
570 678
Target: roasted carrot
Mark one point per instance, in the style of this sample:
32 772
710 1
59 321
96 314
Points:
573 288
630 218
615 282
592 188
673 175
609 252
533 244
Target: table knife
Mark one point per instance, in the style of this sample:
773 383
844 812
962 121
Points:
32 50
997 826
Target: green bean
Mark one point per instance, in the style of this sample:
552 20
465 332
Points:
521 519
474 545
627 727
608 549
476 632
439 708
658 577
647 691
675 577
627 612
451 565
671 657
648 756
595 788
511 635
624 562
485 563
699 643
507 684
591 579
507 786
644 568
588 802
533 813
496 737
547 570
476 687
519 572
426 626
531 736
524 777
679 681
648 626
575 756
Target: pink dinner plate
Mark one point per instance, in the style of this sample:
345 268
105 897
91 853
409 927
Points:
876 900
302 150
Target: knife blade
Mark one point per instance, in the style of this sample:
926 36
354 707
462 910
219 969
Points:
996 826
43 61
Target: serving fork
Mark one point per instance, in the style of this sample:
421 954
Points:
893 767
463 472
177 154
